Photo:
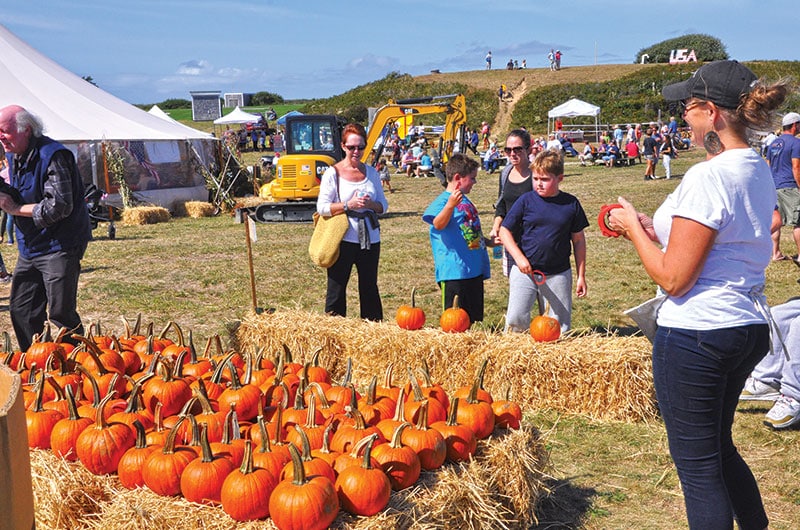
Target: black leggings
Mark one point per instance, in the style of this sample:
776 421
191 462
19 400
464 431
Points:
366 262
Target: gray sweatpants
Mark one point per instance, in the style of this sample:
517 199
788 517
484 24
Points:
774 369
523 292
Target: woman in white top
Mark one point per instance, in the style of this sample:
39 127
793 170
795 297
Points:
712 330
353 188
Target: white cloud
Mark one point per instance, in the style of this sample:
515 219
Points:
194 68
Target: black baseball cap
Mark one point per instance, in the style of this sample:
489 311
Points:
721 82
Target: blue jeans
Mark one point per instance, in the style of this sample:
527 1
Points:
698 377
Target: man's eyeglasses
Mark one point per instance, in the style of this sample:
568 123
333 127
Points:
355 147
517 150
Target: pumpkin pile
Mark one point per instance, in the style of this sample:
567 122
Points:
262 437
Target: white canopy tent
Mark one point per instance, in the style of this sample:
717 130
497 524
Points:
159 165
237 115
572 109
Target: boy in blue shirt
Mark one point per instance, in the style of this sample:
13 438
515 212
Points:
459 248
539 233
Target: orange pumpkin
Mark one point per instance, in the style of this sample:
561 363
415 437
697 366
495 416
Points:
454 319
545 329
410 317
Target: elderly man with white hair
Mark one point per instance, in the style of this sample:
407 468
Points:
52 226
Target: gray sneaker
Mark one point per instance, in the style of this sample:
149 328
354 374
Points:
785 413
755 390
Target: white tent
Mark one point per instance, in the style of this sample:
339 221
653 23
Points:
572 109
160 166
237 115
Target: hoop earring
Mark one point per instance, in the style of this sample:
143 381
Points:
712 143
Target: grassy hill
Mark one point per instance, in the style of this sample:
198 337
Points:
625 92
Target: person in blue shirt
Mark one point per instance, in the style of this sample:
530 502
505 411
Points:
459 249
783 157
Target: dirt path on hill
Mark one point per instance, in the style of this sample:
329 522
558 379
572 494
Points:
502 123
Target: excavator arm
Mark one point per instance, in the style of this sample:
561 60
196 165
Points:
453 105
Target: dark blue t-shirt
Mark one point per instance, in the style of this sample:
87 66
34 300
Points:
780 154
543 226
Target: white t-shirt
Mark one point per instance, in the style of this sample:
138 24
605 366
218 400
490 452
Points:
371 185
733 194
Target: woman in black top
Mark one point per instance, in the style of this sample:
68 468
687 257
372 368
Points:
515 179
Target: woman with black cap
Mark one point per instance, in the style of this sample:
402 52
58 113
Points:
712 325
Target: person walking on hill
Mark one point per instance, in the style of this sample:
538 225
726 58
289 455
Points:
489 60
707 248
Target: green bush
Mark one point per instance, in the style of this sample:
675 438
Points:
353 104
635 97
706 48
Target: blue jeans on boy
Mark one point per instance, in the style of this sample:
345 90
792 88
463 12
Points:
491 165
698 377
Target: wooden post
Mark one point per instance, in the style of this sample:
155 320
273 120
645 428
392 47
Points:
248 221
16 485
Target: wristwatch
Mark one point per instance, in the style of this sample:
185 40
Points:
345 206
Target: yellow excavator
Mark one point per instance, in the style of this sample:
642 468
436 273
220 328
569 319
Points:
313 143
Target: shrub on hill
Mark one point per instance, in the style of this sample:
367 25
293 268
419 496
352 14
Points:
352 105
706 48
635 97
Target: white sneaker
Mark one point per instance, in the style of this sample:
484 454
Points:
755 390
785 413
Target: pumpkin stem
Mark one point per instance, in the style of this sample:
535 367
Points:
413 297
299 474
367 463
415 388
422 419
262 428
141 435
247 463
399 409
372 390
453 414
208 455
395 443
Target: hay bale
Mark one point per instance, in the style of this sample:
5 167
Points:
145 215
197 209
603 377
499 488
249 201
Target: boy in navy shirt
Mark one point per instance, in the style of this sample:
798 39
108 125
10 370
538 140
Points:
540 232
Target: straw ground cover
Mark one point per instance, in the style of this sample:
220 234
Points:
606 474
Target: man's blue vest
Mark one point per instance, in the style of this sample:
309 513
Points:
72 231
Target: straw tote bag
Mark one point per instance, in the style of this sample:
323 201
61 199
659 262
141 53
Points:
328 233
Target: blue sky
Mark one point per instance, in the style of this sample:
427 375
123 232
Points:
145 51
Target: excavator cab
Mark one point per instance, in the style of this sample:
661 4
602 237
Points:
313 143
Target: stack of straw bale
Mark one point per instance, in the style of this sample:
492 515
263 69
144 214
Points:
603 377
145 215
500 488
